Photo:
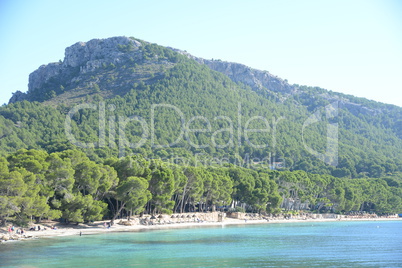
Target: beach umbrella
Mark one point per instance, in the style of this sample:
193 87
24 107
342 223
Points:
183 216
188 216
160 217
173 216
153 217
194 216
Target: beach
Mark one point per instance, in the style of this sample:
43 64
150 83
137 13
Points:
278 243
136 224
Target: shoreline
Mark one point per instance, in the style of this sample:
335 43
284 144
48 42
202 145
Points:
121 226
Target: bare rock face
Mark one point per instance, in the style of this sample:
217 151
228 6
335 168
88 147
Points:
357 109
97 50
81 58
256 79
43 74
18 96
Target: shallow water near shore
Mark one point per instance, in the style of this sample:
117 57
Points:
308 244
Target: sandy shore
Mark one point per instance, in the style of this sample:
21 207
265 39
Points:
99 227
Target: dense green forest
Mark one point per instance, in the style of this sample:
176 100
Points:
67 185
208 101
159 132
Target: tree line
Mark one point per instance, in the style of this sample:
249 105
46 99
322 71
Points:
68 186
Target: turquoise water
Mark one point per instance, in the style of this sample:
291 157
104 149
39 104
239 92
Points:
329 244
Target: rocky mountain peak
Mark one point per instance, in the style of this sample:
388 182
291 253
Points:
87 56
96 50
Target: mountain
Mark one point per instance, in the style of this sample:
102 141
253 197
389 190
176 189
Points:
164 103
123 126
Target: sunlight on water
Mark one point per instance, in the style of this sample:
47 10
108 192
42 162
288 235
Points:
336 244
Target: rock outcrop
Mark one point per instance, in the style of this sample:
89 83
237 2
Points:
80 58
87 57
92 54
357 109
256 79
39 77
18 96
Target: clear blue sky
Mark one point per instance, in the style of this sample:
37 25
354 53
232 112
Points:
354 47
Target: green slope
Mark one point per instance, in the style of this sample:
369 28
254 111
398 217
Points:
173 95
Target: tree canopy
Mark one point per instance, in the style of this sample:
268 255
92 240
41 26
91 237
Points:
67 185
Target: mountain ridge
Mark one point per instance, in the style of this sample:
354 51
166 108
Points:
85 57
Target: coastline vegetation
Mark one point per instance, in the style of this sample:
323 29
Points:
68 186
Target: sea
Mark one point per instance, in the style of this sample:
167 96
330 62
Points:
305 244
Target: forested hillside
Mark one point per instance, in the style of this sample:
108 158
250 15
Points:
368 133
124 97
